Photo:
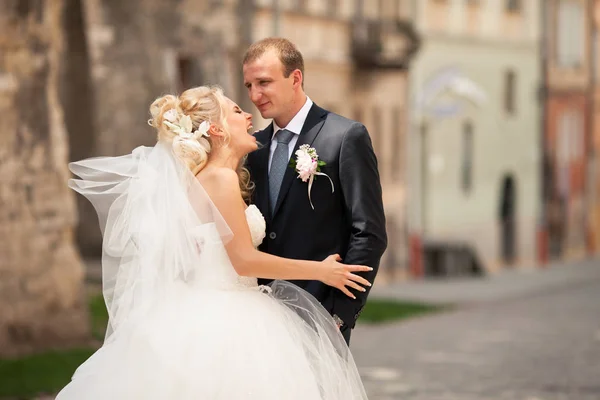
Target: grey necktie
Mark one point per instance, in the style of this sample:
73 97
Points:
279 163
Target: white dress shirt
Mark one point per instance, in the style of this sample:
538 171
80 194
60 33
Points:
294 126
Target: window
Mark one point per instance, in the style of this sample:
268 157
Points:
467 157
333 7
371 9
357 114
569 146
300 5
398 8
390 9
185 68
510 82
359 6
513 5
188 72
570 40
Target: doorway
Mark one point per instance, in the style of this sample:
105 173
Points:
507 217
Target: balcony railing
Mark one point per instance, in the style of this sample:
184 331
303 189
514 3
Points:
383 44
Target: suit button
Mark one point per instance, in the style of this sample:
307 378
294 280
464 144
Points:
272 235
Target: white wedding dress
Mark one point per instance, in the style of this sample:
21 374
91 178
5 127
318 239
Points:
218 335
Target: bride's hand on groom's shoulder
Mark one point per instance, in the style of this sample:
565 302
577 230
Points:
342 276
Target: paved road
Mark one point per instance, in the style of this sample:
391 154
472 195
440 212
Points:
541 344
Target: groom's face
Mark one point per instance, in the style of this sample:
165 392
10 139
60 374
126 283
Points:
270 91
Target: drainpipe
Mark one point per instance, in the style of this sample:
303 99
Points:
415 180
590 131
245 16
545 186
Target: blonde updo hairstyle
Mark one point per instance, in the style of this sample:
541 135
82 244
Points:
201 104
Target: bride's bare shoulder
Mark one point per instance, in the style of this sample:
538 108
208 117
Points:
218 178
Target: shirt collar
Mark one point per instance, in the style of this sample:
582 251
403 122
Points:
297 122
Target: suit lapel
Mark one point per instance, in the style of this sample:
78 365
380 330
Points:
312 126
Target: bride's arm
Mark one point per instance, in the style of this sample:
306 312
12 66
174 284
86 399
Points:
222 185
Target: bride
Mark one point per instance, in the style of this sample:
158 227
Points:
187 319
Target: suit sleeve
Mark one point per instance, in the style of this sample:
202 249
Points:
362 194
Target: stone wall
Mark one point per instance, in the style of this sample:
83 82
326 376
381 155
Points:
139 50
41 296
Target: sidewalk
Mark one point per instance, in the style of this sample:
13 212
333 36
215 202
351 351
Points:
509 284
526 335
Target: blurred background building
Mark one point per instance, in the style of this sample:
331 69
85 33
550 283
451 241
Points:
474 168
483 115
567 149
123 55
594 178
357 60
41 292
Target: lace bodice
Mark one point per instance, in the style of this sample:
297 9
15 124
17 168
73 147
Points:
257 224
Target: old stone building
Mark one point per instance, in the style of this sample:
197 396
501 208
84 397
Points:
76 80
41 297
126 53
122 55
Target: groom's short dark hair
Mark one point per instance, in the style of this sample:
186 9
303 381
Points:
288 53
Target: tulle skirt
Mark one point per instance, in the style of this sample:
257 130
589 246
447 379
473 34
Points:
202 343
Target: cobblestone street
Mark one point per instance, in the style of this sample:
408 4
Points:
540 345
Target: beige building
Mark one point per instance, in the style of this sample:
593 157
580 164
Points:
356 55
474 170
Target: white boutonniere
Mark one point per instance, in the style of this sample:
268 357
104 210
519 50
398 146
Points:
308 166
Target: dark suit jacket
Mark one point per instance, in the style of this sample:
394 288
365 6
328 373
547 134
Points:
350 221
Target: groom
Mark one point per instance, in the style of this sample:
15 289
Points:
348 220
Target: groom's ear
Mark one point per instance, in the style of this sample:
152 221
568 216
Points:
298 78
